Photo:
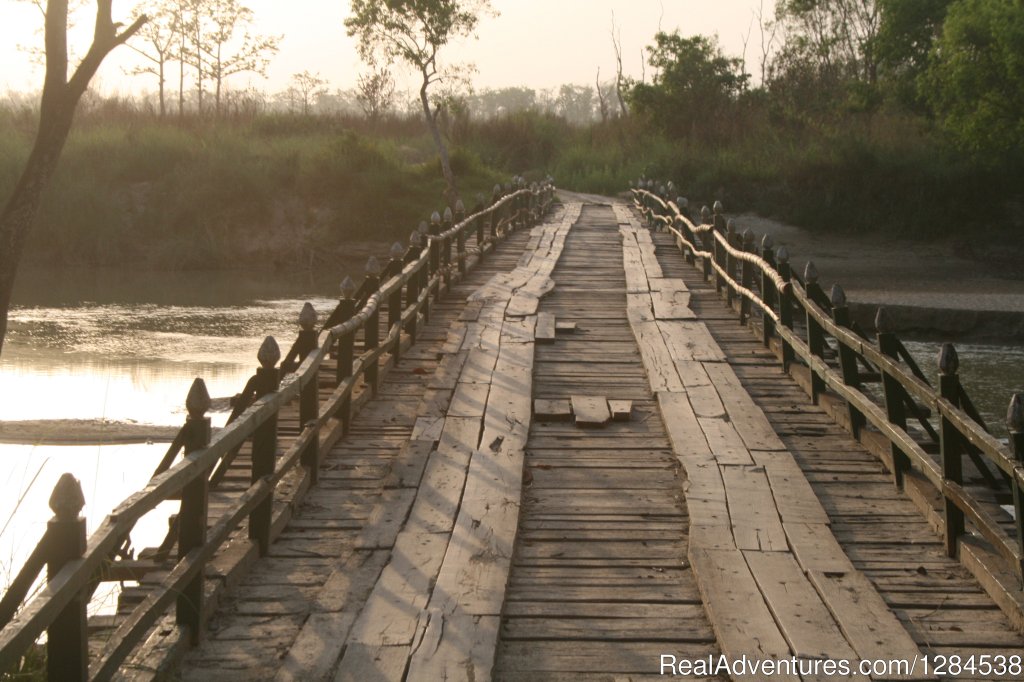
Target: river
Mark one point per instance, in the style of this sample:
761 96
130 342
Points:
125 347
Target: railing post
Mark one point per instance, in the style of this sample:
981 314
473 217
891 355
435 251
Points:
747 275
395 299
460 238
371 330
732 239
478 224
720 260
708 240
493 217
67 645
895 408
786 306
951 444
446 249
847 357
768 291
1015 425
309 399
264 443
815 332
192 516
412 289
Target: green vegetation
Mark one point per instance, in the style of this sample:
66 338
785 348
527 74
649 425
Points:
279 189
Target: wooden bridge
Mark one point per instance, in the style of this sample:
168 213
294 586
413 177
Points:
576 440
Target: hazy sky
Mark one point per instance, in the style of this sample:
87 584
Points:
540 43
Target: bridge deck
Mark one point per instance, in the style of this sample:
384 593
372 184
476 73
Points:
697 526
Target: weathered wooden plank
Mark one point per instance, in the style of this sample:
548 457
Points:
621 410
794 497
545 332
590 410
742 622
552 410
816 548
866 621
746 416
803 618
427 429
690 340
725 443
672 305
755 519
457 647
469 400
364 662
407 468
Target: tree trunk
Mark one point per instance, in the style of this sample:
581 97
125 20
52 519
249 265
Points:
451 192
56 112
163 103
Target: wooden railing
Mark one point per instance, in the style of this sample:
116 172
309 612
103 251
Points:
77 564
813 329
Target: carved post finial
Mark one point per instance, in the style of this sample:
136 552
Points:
810 272
67 500
682 202
748 238
348 287
1015 414
307 316
460 208
767 242
372 266
396 250
730 227
705 214
269 353
883 322
496 192
717 207
782 255
197 402
448 214
949 361
435 218
415 239
838 296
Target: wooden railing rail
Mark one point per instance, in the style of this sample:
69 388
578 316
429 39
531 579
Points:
76 563
769 285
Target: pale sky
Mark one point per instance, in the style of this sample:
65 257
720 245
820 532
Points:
538 43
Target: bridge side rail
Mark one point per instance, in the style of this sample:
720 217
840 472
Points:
77 564
780 294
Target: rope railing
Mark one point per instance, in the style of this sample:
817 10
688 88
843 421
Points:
800 319
412 280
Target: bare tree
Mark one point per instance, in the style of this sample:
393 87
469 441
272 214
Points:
619 78
769 31
159 35
375 92
310 86
602 100
56 112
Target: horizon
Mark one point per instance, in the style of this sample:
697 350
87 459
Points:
315 41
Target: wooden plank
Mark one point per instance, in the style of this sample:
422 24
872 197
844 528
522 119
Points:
657 359
545 332
755 520
746 416
427 429
590 410
742 622
725 443
621 410
794 497
672 305
469 400
407 468
803 618
565 327
862 615
690 340
364 662
552 410
471 312
455 648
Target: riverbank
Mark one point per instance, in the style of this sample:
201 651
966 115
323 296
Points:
931 288
83 432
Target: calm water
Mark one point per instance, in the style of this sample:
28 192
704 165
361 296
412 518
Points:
122 346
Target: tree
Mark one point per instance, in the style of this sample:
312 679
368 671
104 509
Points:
693 86
976 76
414 31
375 92
575 103
216 49
56 111
906 35
159 35
310 86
